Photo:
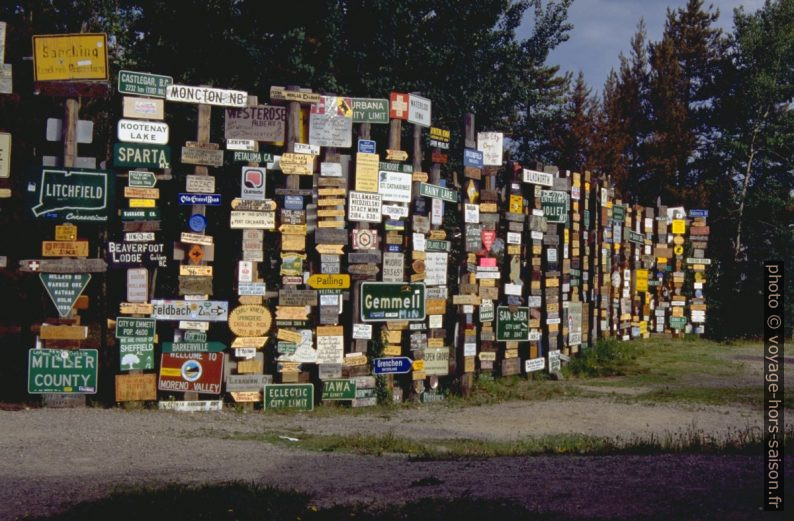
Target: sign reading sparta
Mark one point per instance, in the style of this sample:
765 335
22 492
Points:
69 57
206 95
143 84
134 155
388 301
79 195
62 371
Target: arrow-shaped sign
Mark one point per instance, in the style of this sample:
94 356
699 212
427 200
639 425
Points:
393 365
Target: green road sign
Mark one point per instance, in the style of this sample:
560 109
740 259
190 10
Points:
190 335
141 179
339 389
512 325
140 214
136 155
136 354
434 245
138 329
73 195
390 301
438 192
62 371
619 213
193 347
554 205
635 237
678 322
368 110
289 396
143 84
64 288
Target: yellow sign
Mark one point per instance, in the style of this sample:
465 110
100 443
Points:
69 57
396 155
65 232
641 280
367 172
516 204
679 226
64 248
250 320
329 281
255 342
299 164
418 365
678 250
142 203
288 335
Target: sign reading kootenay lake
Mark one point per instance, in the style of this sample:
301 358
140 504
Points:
74 195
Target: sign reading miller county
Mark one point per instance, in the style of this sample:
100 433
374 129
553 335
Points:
62 371
73 195
390 301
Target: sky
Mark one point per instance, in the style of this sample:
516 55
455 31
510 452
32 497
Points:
603 28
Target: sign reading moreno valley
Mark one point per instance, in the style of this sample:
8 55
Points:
387 301
73 195
207 95
62 371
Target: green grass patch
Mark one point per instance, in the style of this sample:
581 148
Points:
745 441
242 501
605 358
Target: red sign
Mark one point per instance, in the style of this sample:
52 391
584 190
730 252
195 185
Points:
398 106
488 237
191 372
439 157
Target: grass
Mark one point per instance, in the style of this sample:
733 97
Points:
242 501
694 441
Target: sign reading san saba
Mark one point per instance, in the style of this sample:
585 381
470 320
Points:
73 195
387 301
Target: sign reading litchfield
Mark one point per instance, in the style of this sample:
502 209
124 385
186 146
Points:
388 301
79 195
62 371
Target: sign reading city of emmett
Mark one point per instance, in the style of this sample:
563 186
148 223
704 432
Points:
387 301
73 195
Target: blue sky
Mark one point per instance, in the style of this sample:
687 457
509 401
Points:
603 28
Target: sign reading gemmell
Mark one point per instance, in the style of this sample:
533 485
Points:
392 301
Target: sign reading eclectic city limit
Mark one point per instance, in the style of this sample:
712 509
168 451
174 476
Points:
289 396
388 301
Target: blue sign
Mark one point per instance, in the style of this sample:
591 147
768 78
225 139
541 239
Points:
472 158
207 199
393 225
396 248
366 146
394 365
698 213
197 222
293 202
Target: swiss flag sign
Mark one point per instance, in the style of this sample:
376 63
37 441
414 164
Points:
398 106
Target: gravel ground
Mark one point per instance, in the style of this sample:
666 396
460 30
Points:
53 459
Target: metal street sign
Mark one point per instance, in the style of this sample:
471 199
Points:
368 110
147 132
206 95
389 301
289 396
394 365
438 192
73 195
512 325
138 329
419 109
62 371
143 84
538 178
141 179
206 310
193 347
136 155
191 372
205 199
64 289
70 57
554 205
339 389
472 158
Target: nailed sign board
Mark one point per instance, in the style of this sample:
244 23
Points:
202 156
141 179
289 396
438 192
143 108
538 178
364 207
137 285
251 219
203 184
133 155
64 289
512 325
191 372
260 123
555 206
368 110
419 110
206 95
147 132
143 84
70 57
297 164
331 122
388 301
394 186
136 387
206 310
62 371
73 195
5 154
393 267
490 144
436 361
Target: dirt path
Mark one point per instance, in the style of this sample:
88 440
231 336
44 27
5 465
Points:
55 458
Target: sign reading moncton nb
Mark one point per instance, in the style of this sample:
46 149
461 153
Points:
387 301
79 195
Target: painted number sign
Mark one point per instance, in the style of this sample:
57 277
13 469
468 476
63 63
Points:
143 84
